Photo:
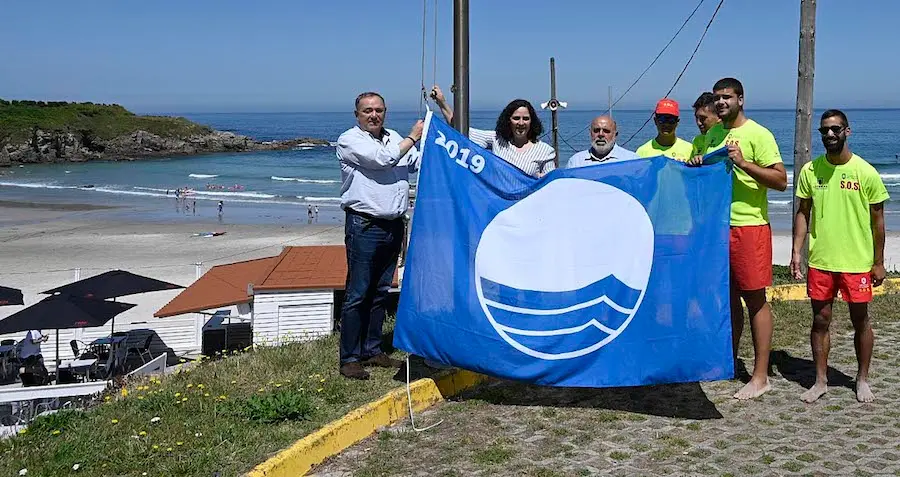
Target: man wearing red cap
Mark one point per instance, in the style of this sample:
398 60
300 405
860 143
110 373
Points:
666 143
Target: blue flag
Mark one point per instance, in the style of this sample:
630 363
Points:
607 275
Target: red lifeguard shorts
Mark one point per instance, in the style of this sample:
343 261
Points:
751 257
824 286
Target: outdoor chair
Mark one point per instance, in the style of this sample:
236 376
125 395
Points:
143 350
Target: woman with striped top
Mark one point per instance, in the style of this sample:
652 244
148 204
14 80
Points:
514 139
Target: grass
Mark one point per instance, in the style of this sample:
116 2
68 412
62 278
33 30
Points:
223 416
98 121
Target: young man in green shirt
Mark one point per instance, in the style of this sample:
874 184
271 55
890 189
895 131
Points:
757 168
666 143
842 206
705 117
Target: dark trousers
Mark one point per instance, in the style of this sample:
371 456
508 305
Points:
373 246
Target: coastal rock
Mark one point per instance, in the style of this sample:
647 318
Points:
63 146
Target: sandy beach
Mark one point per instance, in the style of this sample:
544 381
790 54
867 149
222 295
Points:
43 246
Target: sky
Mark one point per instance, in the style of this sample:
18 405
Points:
314 55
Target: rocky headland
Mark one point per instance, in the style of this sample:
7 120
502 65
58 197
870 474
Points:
38 132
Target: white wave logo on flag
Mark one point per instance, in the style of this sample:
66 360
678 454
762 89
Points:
582 296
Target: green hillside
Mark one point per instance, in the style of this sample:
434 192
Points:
102 121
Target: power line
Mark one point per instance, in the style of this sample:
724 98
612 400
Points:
658 56
696 48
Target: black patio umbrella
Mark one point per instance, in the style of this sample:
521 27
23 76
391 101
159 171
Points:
10 296
113 284
60 312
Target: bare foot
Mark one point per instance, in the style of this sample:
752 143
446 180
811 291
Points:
752 390
814 393
863 393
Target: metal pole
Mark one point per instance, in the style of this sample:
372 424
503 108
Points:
806 65
553 111
461 66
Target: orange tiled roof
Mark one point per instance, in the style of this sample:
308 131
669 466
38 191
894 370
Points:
222 285
296 268
301 268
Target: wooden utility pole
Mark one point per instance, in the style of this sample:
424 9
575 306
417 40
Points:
461 66
554 104
806 65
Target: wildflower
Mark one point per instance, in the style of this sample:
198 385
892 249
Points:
56 432
154 420
182 360
183 399
142 433
23 431
205 394
168 449
177 394
179 443
140 398
223 397
115 421
155 447
76 467
277 385
199 386
124 392
287 381
189 386
234 382
260 390
198 434
319 390
23 472
322 380
107 398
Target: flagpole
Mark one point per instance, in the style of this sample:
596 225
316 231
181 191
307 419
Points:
461 66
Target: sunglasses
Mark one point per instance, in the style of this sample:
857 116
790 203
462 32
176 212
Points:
666 119
834 129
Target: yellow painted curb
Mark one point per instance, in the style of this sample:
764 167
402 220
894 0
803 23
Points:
797 291
363 422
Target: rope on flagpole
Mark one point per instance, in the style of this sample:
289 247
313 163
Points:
412 418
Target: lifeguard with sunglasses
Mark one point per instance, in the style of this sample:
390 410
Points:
842 206
666 143
757 168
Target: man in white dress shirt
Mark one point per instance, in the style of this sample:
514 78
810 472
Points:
375 166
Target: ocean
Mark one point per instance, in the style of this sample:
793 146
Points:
270 187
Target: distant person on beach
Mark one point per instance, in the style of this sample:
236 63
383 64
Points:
705 117
666 117
309 214
515 139
220 206
194 206
375 166
846 197
316 210
603 132
757 168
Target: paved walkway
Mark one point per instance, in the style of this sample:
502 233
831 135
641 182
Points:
513 429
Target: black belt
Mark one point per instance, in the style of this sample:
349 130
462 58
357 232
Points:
370 216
